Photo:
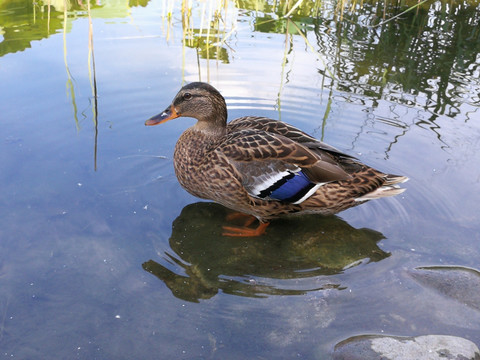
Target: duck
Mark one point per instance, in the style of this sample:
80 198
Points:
263 168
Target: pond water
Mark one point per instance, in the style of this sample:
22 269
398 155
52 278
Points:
104 256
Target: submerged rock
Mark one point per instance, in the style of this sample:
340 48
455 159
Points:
456 282
428 347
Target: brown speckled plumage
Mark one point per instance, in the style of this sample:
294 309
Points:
229 163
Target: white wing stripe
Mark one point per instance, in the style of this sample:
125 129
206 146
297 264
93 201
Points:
269 181
309 193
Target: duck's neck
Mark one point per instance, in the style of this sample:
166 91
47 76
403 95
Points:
215 123
209 128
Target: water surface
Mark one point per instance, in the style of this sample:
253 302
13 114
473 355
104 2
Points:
103 255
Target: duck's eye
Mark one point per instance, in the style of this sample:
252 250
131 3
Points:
187 96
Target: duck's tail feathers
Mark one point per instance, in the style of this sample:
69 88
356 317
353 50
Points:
389 188
395 179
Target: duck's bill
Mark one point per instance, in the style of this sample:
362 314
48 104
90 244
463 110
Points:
168 114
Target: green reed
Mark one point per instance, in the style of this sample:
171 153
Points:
93 82
69 84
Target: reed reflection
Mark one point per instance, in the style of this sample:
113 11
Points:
294 257
397 59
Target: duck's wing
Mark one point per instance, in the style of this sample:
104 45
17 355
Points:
284 129
273 166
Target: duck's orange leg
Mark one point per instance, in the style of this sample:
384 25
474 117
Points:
244 230
248 219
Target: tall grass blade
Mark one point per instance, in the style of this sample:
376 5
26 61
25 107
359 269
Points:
288 46
402 13
294 7
93 82
48 17
69 85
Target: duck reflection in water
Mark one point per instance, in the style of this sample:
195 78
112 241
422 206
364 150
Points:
291 259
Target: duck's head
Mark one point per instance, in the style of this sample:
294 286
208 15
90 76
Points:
197 100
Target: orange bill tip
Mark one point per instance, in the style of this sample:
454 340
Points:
166 115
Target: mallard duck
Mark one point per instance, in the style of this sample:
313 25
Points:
263 167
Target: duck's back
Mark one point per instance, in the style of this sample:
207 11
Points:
327 152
